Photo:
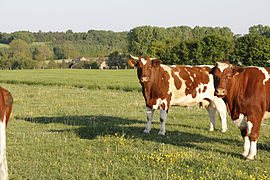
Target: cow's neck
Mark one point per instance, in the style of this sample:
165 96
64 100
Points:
233 99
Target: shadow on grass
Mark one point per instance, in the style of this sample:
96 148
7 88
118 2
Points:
92 126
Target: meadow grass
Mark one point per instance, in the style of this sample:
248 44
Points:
4 45
91 79
65 132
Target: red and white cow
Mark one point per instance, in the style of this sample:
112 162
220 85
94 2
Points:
6 102
246 92
163 86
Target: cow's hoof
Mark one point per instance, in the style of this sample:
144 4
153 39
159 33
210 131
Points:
161 133
250 158
224 130
146 131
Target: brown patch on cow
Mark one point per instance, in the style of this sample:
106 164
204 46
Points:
163 106
177 81
6 102
204 89
193 77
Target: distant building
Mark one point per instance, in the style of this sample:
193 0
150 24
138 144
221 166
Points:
103 65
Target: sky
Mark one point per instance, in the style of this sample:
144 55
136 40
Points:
123 15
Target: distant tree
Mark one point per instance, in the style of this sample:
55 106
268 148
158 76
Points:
23 35
252 50
94 65
217 48
117 59
43 53
260 30
19 49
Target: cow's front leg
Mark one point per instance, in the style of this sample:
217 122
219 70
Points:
253 130
163 117
149 112
246 143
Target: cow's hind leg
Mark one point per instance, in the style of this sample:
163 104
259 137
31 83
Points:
212 113
150 113
222 111
163 118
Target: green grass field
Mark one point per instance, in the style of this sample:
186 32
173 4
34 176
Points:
62 129
91 79
4 45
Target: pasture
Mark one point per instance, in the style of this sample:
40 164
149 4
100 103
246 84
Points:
87 124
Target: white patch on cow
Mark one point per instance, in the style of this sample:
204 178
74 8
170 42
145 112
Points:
222 110
249 127
241 122
157 105
149 113
221 66
194 75
163 118
173 66
3 158
246 146
143 61
266 115
252 150
265 72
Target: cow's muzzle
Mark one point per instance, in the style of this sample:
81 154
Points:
144 79
220 92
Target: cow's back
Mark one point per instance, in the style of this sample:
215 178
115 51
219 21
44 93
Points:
189 85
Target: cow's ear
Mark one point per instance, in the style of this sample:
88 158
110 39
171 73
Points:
156 62
132 63
237 70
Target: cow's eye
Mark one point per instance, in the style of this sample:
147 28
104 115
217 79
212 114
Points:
229 76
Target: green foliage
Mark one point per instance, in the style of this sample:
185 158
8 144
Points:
117 60
19 49
43 53
140 39
252 49
173 45
260 30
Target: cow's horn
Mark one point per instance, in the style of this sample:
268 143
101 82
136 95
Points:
134 57
152 58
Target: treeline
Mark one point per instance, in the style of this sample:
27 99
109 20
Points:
174 45
201 45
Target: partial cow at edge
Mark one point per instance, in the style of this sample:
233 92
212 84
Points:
246 92
163 86
6 102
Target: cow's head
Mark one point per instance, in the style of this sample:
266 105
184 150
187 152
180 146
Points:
145 67
224 75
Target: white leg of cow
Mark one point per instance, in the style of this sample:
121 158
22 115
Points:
163 117
150 113
222 111
3 159
212 113
252 150
246 147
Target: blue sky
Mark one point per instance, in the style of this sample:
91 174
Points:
123 15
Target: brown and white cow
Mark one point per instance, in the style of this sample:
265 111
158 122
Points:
163 86
6 102
246 92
